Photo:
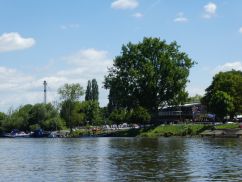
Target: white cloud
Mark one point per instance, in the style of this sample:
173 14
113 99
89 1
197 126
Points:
138 15
210 10
14 41
89 58
229 66
18 88
240 30
70 26
181 18
193 90
125 4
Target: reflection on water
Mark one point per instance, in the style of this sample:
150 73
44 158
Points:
121 159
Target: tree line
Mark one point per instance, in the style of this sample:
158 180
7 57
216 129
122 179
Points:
144 78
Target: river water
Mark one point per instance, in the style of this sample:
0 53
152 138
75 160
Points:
121 159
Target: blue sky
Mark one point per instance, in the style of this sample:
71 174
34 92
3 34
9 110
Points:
65 41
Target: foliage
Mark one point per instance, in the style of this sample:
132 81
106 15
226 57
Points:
70 93
105 115
91 112
221 104
140 115
53 124
194 99
175 130
118 116
77 116
150 74
34 127
79 133
92 90
229 82
31 117
95 93
88 94
227 126
2 116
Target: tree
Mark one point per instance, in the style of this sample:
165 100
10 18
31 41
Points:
91 111
197 98
88 95
118 116
95 93
70 93
92 91
150 74
221 104
140 115
229 82
3 117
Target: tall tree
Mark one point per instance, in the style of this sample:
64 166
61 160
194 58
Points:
91 111
92 91
229 82
150 74
221 104
88 94
70 93
95 93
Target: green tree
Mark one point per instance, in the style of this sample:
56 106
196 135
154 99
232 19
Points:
150 74
119 116
3 117
77 115
91 111
92 90
221 104
37 114
95 93
229 82
88 95
69 93
140 115
194 99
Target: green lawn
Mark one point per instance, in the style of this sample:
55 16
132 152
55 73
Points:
175 130
227 126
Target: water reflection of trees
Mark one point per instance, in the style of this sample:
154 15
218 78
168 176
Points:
151 159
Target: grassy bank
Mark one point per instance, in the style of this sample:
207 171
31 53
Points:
161 130
227 126
175 130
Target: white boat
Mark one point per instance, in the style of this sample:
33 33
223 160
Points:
21 134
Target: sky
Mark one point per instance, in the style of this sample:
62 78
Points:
64 41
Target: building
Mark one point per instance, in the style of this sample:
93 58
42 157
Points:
183 113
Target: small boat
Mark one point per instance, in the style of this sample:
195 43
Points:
22 134
16 133
39 133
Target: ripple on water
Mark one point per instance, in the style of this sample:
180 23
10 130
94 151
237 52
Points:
121 159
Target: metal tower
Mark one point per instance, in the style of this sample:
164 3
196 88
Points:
45 95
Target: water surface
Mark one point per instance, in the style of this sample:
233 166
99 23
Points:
121 159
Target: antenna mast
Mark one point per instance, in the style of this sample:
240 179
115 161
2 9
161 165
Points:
45 86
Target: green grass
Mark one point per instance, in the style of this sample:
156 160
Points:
161 130
78 133
126 133
227 126
175 130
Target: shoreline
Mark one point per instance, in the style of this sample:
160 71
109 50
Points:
181 130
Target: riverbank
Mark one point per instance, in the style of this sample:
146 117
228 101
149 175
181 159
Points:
208 130
165 130
222 130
